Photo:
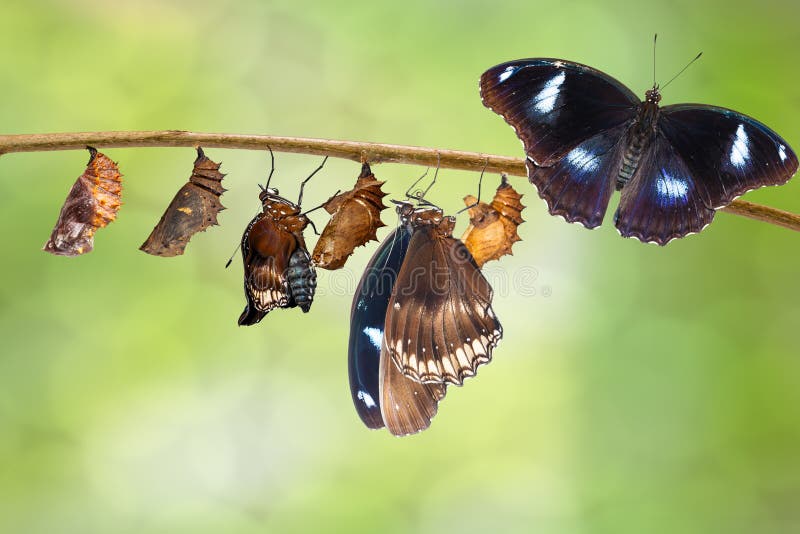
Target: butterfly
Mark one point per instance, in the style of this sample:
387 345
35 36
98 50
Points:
278 272
585 135
193 209
92 203
421 318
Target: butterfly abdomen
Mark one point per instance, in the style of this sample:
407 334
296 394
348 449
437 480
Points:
630 161
302 279
639 138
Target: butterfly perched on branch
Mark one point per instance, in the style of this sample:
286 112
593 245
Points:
193 209
92 203
585 135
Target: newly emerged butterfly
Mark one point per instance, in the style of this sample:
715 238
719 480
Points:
92 203
440 325
586 134
278 272
194 208
356 216
382 395
492 229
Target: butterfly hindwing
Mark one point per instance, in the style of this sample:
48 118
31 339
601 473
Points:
406 406
580 185
662 201
727 152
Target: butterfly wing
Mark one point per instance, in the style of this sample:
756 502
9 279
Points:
406 406
366 325
563 112
727 152
663 200
440 325
580 185
266 249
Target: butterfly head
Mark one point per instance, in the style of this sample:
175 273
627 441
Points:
267 193
414 215
653 96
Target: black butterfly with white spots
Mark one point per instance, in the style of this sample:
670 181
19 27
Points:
585 135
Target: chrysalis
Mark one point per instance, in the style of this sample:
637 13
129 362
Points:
492 229
92 203
193 209
356 216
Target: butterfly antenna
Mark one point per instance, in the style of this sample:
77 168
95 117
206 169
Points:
683 69
272 167
304 182
480 182
232 255
655 40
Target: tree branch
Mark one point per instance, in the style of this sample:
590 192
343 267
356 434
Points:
372 152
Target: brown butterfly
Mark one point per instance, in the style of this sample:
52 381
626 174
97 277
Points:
356 215
92 203
278 272
492 229
194 209
439 324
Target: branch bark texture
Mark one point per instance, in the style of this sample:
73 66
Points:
353 150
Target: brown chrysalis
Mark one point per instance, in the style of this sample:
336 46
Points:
355 217
492 229
194 208
92 203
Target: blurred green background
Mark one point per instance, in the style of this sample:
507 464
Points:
638 389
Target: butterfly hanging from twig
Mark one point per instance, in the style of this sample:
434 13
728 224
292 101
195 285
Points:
278 272
585 135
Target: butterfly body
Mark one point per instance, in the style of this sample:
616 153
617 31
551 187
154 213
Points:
277 269
586 135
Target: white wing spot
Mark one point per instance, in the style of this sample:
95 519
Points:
545 101
583 159
740 152
506 74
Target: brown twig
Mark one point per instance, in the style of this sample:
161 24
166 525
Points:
353 150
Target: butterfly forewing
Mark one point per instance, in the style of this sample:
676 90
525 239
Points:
555 105
440 325
727 152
